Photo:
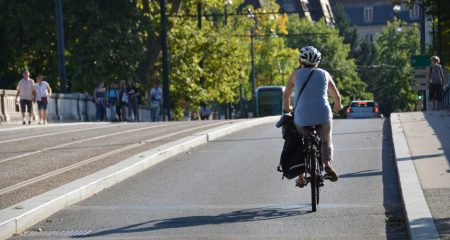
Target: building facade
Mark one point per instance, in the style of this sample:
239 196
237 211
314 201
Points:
314 10
371 16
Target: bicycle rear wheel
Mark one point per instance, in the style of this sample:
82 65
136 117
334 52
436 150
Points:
314 183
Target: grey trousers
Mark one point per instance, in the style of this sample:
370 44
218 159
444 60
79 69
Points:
324 131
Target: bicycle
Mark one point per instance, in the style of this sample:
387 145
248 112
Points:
313 165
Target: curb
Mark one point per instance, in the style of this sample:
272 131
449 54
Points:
419 221
17 218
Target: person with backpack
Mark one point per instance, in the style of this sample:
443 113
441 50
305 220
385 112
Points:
312 107
112 97
205 111
436 77
99 98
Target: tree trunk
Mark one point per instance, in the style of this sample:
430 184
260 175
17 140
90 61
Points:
153 45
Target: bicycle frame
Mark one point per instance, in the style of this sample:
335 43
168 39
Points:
313 166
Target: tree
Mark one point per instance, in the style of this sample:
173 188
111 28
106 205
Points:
392 83
334 55
26 42
438 10
101 45
348 32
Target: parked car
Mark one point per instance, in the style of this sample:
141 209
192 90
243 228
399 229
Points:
363 109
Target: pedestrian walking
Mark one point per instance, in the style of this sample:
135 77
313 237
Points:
205 111
43 93
133 101
100 101
112 97
436 77
26 95
155 97
123 98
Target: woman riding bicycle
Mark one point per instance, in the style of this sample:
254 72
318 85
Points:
313 108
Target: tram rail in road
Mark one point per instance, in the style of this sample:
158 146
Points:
145 149
16 177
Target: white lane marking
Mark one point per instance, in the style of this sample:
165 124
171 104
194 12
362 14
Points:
362 148
49 125
93 159
79 141
55 133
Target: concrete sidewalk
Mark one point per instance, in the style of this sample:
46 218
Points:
422 148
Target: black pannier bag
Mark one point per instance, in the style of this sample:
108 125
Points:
292 161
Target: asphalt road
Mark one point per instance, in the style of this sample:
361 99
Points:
35 159
229 189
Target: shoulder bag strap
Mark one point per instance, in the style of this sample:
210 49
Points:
303 87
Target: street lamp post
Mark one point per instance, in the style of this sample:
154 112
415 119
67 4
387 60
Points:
252 36
397 9
165 62
60 45
282 68
226 3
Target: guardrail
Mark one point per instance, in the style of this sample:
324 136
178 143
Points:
445 103
61 107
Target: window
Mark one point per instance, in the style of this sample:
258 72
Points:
369 37
414 12
368 14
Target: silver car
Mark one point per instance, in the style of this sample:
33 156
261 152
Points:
363 109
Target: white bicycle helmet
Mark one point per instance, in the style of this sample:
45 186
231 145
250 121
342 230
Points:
310 55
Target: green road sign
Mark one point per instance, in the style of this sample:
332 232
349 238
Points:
420 61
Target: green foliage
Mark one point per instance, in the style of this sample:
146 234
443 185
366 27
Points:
114 40
334 56
346 31
27 40
218 80
101 45
392 82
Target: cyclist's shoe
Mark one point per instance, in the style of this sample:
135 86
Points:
300 182
331 173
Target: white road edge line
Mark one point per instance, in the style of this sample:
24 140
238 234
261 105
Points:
19 217
419 221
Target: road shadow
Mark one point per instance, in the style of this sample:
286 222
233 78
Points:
366 173
422 227
420 157
438 121
443 224
245 215
392 200
353 133
245 139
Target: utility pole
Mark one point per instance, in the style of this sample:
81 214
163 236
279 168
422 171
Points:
199 17
440 53
165 59
422 29
60 46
